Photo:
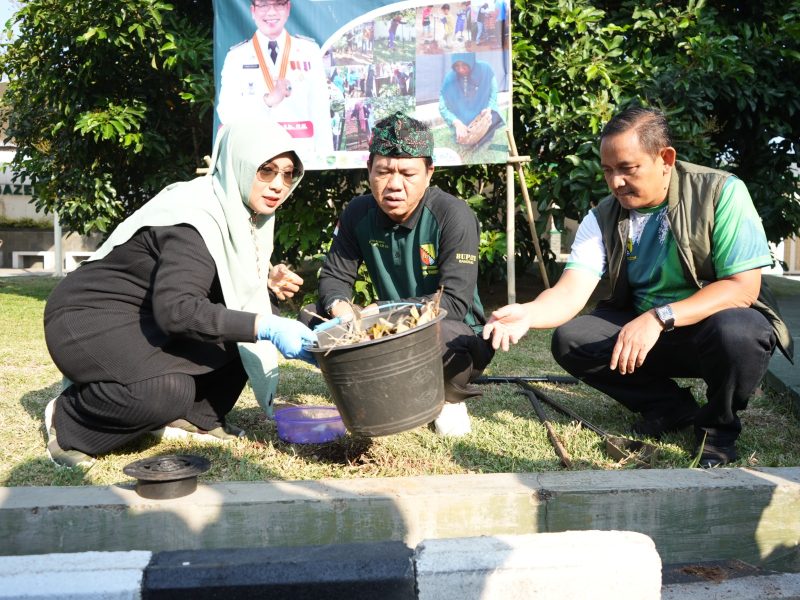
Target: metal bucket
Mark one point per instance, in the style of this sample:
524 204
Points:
388 385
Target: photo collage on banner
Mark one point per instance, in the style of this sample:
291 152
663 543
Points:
328 70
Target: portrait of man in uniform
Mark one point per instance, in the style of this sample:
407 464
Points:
279 76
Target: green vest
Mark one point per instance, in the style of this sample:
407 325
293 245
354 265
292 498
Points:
691 219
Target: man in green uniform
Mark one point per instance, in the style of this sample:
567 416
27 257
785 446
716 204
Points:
683 247
414 239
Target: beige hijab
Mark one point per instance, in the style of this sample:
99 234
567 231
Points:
216 205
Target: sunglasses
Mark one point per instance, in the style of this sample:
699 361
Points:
273 4
267 173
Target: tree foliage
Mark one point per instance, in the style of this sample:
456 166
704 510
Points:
724 72
109 100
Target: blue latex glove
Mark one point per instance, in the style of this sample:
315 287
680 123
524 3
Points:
328 324
290 337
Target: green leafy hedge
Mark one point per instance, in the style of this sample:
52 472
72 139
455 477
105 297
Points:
110 100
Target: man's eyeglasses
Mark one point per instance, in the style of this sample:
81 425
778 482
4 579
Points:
276 4
266 174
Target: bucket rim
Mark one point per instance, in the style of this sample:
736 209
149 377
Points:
330 350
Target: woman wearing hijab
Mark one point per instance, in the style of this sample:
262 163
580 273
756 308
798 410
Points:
468 100
168 320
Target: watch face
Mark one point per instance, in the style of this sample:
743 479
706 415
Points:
666 316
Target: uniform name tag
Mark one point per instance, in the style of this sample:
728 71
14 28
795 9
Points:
299 129
255 66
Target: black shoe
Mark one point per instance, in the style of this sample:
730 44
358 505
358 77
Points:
656 426
455 393
61 457
716 456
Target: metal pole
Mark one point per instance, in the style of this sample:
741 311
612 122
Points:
511 206
510 243
58 250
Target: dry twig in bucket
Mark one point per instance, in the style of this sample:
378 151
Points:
395 321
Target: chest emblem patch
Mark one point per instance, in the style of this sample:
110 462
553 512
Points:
427 254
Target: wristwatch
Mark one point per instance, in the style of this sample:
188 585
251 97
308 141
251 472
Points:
666 316
330 306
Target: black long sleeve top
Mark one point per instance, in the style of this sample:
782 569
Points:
153 305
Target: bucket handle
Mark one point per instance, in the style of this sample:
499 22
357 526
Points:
338 320
398 305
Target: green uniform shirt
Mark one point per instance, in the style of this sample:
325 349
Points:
437 246
654 269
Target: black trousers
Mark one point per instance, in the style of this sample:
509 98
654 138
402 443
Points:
464 354
729 350
464 357
98 417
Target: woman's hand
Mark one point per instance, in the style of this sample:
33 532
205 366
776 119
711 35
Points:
283 282
461 131
290 337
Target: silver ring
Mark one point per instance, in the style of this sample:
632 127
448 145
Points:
288 87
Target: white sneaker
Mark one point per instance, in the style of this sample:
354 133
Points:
181 429
61 457
453 420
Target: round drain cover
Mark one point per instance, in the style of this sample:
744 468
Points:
165 477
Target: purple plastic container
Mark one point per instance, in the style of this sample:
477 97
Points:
309 424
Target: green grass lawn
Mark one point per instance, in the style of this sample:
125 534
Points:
506 435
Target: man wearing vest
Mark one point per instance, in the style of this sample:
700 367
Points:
683 247
281 77
414 239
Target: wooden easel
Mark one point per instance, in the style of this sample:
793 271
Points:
516 161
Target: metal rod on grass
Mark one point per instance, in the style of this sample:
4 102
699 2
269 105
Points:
533 379
618 447
562 409
551 433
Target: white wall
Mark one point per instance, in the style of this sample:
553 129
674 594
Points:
15 196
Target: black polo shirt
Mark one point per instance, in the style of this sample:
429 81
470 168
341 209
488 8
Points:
437 246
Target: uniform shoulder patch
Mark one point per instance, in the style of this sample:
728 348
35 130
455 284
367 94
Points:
306 44
242 43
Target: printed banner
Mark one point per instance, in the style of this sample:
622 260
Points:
327 70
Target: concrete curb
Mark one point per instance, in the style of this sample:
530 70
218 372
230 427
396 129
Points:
691 514
784 377
84 576
556 565
506 567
